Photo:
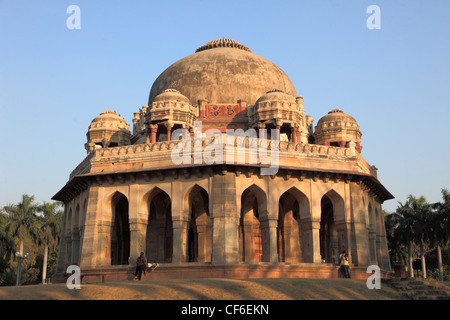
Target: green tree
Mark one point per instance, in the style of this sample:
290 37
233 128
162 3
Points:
423 226
51 228
7 248
22 222
440 236
405 230
414 227
397 249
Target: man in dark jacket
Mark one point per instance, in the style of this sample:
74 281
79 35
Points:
141 262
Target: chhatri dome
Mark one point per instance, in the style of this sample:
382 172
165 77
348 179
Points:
107 130
222 216
337 128
222 71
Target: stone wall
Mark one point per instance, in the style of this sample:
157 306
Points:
357 220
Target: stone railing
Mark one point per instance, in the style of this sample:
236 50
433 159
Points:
163 150
238 142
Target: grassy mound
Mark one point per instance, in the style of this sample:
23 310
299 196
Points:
207 289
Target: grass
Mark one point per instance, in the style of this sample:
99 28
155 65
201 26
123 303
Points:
208 289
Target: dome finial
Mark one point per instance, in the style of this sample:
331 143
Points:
223 43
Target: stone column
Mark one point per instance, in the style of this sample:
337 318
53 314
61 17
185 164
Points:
91 243
272 226
75 247
62 252
180 227
372 247
225 246
153 130
351 146
293 137
138 219
311 229
299 135
138 231
362 244
169 126
360 231
68 260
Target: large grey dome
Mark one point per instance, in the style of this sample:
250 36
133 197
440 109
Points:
222 71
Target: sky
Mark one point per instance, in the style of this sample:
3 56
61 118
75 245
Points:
395 80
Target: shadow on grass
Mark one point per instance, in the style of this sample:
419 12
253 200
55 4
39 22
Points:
207 289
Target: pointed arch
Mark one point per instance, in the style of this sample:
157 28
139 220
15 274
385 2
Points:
159 235
119 236
332 212
199 233
293 206
154 191
252 235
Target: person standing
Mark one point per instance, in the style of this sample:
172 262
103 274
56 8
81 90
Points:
345 266
141 262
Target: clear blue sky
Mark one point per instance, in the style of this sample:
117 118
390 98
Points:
395 81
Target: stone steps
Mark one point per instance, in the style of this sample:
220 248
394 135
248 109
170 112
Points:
422 289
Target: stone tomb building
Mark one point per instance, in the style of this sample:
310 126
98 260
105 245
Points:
203 218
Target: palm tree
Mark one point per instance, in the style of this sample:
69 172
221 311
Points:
397 251
51 227
415 227
405 230
22 220
423 226
7 247
441 228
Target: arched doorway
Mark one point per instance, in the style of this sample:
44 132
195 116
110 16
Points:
159 236
199 235
293 205
252 237
331 241
120 230
328 234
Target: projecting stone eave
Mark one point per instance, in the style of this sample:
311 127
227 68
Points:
367 180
